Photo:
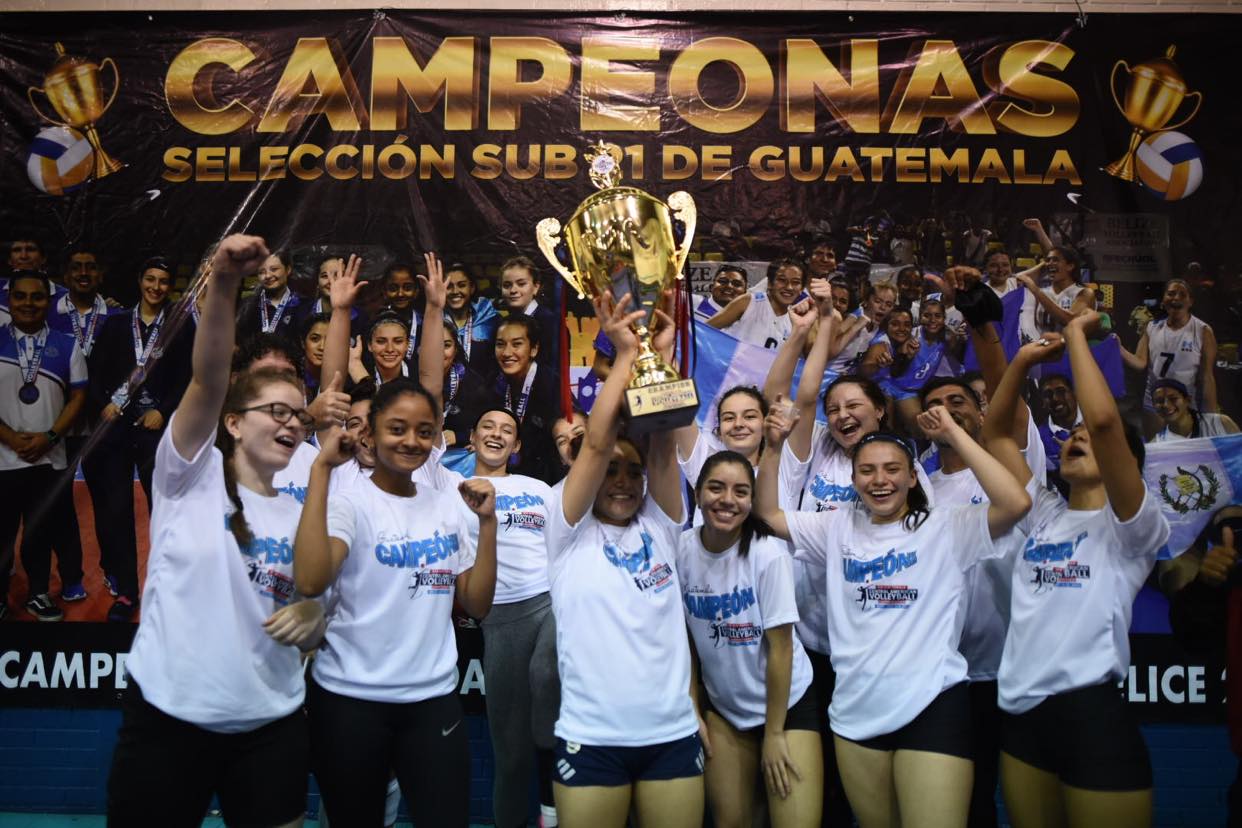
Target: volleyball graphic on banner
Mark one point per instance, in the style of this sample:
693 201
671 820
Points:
1169 165
61 160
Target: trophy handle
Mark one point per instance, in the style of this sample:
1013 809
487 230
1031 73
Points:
30 97
1112 83
548 235
682 205
116 82
1198 96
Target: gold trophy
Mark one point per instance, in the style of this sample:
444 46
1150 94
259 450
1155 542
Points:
1153 95
620 239
74 88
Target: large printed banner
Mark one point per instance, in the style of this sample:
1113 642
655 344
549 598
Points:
395 133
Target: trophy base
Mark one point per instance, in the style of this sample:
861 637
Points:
660 407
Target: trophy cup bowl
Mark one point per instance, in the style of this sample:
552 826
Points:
75 90
1153 95
622 240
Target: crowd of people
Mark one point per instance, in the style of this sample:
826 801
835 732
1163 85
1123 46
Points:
841 599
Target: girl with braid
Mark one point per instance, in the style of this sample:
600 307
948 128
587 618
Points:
214 705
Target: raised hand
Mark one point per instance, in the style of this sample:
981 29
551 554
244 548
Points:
1219 560
480 496
238 256
618 323
1033 224
937 424
910 347
331 404
782 417
803 315
344 287
960 278
435 288
1048 348
336 447
1088 322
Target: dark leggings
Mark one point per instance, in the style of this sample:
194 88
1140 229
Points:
355 743
837 809
109 471
986 724
40 501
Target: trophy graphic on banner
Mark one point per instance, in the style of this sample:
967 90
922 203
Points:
621 239
1153 95
75 90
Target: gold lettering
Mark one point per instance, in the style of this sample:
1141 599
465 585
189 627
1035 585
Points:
187 87
717 161
634 152
272 163
513 165
316 65
807 76
755 84
390 154
507 92
1020 175
798 171
236 173
766 163
1054 105
295 162
956 165
918 94
603 89
679 162
910 165
558 162
451 73
844 164
990 167
877 156
209 165
1061 168
445 164
332 162
487 163
177 166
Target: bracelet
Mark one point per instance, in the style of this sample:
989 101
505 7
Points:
52 436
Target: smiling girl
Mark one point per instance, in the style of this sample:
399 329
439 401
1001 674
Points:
474 317
220 592
894 575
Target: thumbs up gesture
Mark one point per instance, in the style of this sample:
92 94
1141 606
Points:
331 406
1219 560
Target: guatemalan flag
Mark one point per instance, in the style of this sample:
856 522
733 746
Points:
1193 479
722 362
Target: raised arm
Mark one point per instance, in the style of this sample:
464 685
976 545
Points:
317 558
431 338
1007 498
731 312
476 587
663 472
780 377
591 466
780 421
342 292
1037 227
1119 468
1000 441
199 409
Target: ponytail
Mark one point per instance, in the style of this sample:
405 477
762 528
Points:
237 521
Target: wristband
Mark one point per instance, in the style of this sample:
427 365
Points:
52 437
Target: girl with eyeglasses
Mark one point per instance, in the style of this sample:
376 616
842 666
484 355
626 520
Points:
894 575
214 705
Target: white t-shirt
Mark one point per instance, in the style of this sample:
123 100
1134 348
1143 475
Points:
1210 425
62 370
759 324
621 645
1074 585
294 478
846 362
893 608
986 609
522 514
390 637
201 653
730 601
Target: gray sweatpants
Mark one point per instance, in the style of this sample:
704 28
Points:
523 698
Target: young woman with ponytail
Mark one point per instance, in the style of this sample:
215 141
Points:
737 585
214 705
894 575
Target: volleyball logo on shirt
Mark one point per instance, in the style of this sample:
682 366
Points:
511 506
270 583
432 582
1054 565
866 573
717 608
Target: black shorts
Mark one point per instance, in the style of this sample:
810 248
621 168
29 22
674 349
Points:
804 714
942 727
165 770
580 766
1086 737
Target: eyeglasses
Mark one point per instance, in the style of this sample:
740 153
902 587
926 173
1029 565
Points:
735 283
282 413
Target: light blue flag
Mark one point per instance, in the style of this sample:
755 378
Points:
459 460
1193 479
723 362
